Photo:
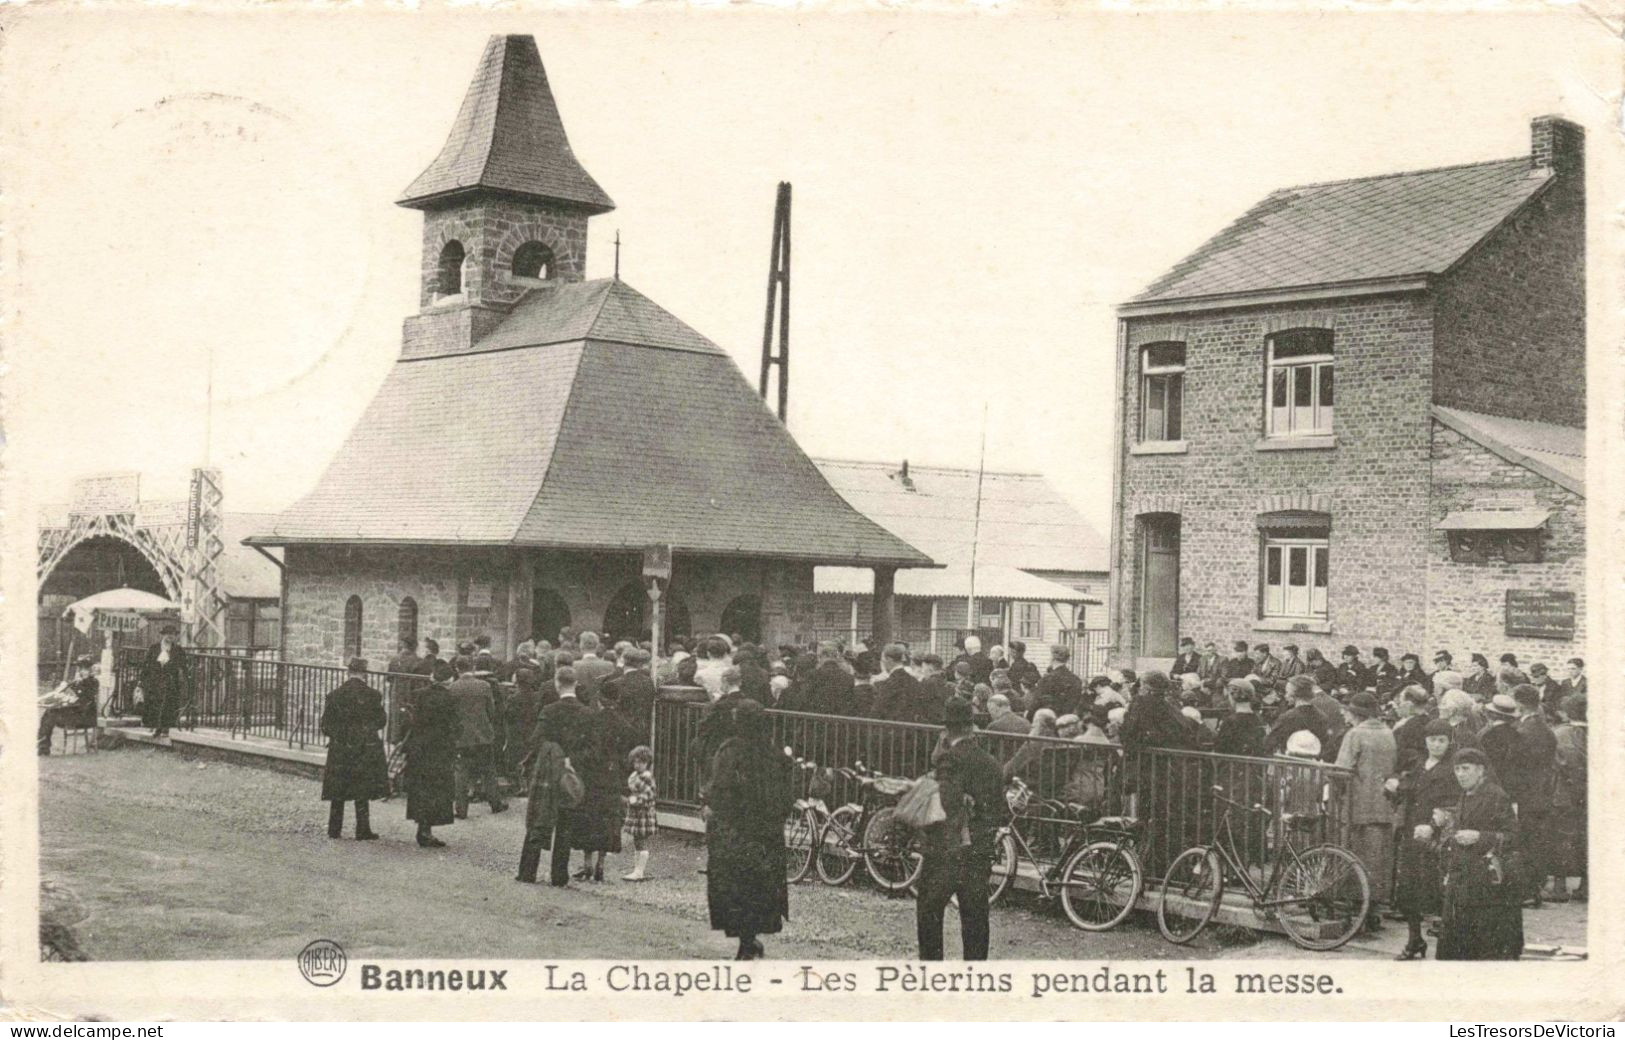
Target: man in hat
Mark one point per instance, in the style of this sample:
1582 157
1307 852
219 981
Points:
1154 719
1303 715
1353 672
1530 785
1239 665
164 680
1022 671
1500 737
355 770
72 706
476 737
958 852
1187 661
1551 691
1384 674
1266 669
1369 749
1061 691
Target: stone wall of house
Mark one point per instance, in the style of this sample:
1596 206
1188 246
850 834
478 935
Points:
1511 318
1373 481
461 593
1467 601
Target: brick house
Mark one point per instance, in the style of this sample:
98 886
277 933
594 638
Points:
1040 575
539 432
1440 315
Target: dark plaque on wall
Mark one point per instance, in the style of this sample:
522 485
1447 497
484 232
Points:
1540 614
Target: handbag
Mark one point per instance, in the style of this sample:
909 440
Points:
921 804
571 790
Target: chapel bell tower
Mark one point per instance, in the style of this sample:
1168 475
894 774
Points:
505 204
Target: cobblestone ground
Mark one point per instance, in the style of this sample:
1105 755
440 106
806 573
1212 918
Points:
179 859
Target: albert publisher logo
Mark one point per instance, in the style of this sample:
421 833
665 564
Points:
322 963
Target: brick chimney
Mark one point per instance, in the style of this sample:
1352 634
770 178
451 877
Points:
1557 144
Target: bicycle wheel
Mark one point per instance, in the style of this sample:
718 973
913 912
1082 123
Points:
835 858
891 850
1100 885
1191 891
1004 866
1330 897
800 830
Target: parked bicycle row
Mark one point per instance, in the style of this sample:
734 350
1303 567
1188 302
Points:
1317 892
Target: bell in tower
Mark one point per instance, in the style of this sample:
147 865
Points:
505 203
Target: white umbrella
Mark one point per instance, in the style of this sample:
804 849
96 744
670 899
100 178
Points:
120 599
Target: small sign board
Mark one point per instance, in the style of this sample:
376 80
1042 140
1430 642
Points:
657 562
1540 614
106 493
479 595
118 621
194 509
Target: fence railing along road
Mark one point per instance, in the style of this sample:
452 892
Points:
1171 791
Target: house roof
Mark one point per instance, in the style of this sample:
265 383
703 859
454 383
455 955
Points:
244 573
591 418
1025 523
1364 230
508 137
992 582
1557 453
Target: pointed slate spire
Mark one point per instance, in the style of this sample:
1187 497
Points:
508 138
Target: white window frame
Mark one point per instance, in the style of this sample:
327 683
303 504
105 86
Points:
1285 599
1293 419
1148 372
1029 620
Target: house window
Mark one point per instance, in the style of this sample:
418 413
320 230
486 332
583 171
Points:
1300 383
1294 580
352 627
1030 621
1162 392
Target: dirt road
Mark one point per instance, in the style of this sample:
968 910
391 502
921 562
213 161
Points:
177 859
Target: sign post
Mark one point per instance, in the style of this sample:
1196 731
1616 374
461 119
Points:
1540 614
656 567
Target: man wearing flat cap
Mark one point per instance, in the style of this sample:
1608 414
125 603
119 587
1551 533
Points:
959 850
356 770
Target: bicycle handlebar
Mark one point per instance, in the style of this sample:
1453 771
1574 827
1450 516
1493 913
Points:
1218 792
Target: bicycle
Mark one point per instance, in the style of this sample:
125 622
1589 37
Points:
802 827
1304 891
1097 875
868 830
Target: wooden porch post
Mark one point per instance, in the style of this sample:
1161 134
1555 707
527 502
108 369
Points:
885 605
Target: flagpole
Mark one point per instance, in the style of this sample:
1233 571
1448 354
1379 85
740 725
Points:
976 527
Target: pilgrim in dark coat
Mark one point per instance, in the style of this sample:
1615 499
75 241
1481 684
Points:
573 727
1423 787
356 770
431 757
1483 914
163 682
749 795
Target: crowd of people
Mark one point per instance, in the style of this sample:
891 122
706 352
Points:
1467 789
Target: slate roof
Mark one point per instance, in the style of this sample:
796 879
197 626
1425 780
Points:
1367 229
1025 522
1557 453
992 582
591 418
509 137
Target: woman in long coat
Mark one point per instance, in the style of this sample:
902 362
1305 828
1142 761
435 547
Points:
1569 799
749 796
594 826
356 770
431 758
1483 911
1420 789
163 682
1369 749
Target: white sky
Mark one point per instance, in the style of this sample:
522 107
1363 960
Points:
973 194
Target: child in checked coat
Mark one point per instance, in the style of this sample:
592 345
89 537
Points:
640 808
